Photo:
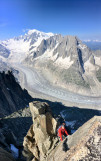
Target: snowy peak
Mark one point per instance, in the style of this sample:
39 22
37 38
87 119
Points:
36 38
64 52
31 36
21 46
40 33
34 35
67 46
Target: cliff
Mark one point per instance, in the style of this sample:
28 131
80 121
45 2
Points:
41 137
84 144
12 96
42 144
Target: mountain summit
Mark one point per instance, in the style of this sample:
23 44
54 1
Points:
64 60
19 46
68 62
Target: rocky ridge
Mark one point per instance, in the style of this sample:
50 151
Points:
69 63
41 137
64 60
12 96
41 142
16 49
13 128
19 122
84 144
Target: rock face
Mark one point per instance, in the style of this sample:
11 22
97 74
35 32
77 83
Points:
41 142
41 136
12 125
88 144
70 63
12 97
67 60
13 128
65 55
84 144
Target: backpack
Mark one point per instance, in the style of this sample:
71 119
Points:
58 129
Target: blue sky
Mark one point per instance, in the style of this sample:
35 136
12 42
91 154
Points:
68 17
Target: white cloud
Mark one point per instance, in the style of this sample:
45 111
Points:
92 40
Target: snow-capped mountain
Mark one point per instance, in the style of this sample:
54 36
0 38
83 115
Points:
21 46
62 50
4 53
66 58
65 55
69 62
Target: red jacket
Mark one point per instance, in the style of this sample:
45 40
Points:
62 132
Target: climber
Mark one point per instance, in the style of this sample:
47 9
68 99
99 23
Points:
62 131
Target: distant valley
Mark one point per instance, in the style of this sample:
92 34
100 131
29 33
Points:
93 45
61 61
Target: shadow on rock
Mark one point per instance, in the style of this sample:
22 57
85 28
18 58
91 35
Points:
70 114
19 122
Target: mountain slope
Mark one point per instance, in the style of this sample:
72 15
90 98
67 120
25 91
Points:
20 46
64 60
4 53
68 61
12 97
84 144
